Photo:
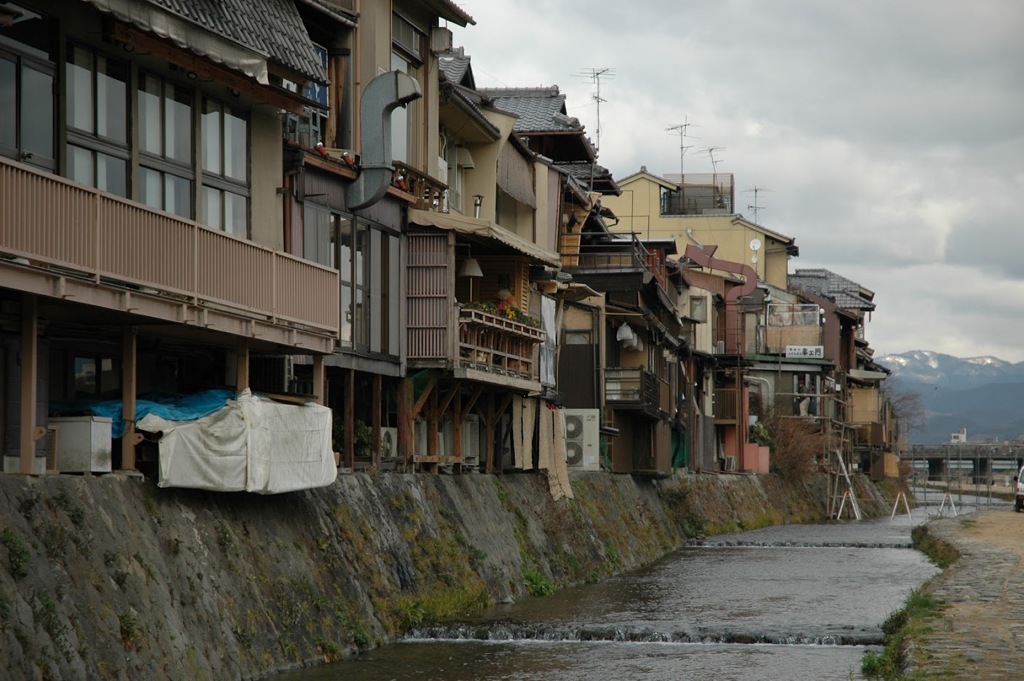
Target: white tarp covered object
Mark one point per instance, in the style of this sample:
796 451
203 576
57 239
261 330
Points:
251 444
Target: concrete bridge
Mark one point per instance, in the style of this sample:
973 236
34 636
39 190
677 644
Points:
954 459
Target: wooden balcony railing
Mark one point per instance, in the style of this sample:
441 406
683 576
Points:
496 344
424 191
94 236
634 386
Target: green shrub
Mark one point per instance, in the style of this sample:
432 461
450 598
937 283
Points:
17 553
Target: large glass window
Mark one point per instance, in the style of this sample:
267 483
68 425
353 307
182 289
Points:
97 120
406 56
343 230
225 168
165 143
27 50
26 111
367 260
361 287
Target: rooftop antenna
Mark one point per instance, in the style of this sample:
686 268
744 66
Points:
711 151
755 207
596 74
681 129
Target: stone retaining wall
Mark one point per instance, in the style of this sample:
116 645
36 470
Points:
111 577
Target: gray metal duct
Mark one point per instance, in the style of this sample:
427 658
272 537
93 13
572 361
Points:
381 96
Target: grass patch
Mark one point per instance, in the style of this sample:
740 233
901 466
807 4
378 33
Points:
441 604
537 584
765 519
940 552
900 627
18 554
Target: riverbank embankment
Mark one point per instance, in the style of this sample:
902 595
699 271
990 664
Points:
978 631
114 578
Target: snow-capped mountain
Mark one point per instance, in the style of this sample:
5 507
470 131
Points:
985 395
961 373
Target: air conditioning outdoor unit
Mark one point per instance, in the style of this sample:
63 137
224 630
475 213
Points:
582 439
388 444
420 429
471 441
720 347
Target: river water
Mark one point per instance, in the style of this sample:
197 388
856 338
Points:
789 602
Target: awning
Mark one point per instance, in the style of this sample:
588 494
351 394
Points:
189 35
483 228
865 375
515 175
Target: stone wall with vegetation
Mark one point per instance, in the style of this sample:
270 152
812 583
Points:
114 578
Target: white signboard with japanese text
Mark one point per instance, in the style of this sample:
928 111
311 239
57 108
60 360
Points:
808 351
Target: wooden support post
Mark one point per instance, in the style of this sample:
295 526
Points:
129 368
457 420
490 420
350 420
375 442
405 422
241 366
29 381
319 380
433 418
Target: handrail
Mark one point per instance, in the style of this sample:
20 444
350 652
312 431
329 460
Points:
54 222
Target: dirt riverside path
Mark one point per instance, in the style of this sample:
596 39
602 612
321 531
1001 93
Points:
980 633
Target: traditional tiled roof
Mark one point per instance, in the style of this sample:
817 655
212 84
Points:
591 175
449 11
456 69
844 292
540 109
271 28
342 15
457 84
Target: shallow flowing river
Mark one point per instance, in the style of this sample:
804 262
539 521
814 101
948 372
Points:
790 602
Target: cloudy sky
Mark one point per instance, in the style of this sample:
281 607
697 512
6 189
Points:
888 133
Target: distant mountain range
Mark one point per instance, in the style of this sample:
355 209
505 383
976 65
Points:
985 395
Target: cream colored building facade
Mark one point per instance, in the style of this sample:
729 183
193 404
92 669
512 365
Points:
639 210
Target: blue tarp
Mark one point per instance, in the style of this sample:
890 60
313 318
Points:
169 406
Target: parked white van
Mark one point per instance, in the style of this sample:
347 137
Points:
1018 497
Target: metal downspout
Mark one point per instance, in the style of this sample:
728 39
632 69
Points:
383 95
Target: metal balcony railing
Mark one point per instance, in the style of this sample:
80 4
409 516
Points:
81 232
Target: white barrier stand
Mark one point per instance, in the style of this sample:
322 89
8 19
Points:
895 506
949 496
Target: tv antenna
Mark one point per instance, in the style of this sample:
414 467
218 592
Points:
711 151
681 130
596 74
755 206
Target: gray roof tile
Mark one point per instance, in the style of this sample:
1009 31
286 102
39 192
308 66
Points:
847 294
538 109
455 68
269 27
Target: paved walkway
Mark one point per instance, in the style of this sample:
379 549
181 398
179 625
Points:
980 634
